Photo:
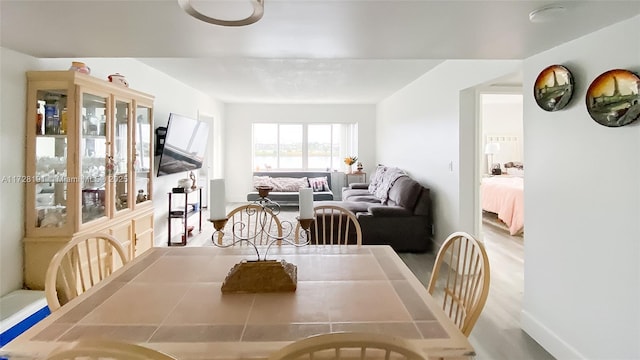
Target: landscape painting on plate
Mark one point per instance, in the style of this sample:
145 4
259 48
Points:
613 98
553 88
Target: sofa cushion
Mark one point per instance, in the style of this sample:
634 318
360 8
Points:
347 193
365 198
295 174
353 206
281 183
290 184
322 195
290 197
362 195
295 180
404 192
391 211
261 181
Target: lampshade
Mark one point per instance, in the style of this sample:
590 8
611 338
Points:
258 11
492 148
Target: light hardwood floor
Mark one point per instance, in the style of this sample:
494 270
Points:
497 334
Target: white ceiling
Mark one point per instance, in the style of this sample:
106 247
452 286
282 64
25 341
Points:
329 51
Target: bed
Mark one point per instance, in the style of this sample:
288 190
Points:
504 196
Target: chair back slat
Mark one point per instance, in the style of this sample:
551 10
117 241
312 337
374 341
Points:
87 257
333 225
465 286
81 264
350 345
69 275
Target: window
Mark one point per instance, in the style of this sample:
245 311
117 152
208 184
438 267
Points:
288 146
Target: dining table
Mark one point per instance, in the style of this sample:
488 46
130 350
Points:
170 299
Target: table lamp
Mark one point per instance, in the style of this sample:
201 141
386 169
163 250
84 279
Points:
491 149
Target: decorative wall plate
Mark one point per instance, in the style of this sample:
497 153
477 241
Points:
613 98
553 88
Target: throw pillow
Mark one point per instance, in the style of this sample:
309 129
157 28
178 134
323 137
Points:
319 184
390 176
289 184
376 178
261 181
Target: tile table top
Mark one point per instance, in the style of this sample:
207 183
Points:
170 299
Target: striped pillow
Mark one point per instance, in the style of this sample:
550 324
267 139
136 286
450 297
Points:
319 184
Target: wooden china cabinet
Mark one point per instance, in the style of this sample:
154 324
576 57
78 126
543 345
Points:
89 164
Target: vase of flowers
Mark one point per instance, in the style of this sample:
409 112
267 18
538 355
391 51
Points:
349 161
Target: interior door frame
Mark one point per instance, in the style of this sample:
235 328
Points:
205 173
479 162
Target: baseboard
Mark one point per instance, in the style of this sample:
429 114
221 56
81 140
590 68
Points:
549 340
21 309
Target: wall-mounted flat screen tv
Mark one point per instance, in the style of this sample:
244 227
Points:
184 145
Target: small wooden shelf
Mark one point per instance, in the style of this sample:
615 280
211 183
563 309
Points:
185 215
182 214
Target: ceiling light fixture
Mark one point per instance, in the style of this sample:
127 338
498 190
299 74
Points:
258 11
546 13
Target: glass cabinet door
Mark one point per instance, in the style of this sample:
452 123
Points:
120 155
142 156
50 178
93 156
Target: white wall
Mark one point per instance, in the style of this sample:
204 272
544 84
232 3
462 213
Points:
239 118
418 129
501 114
582 210
13 90
170 96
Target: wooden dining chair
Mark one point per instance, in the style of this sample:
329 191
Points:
98 349
253 222
350 345
80 264
333 225
460 278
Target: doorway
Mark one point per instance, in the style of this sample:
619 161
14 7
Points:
500 139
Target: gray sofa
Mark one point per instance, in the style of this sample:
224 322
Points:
398 215
291 198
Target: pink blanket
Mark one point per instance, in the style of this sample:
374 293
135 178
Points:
504 195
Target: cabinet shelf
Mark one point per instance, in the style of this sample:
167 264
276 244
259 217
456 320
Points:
58 136
51 181
182 215
90 136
